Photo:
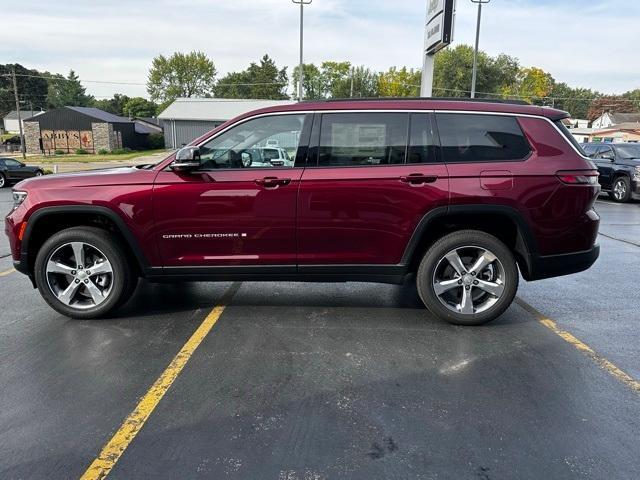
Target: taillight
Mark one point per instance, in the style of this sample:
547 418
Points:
578 177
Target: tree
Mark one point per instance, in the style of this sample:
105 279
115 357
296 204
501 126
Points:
336 77
139 107
336 80
32 88
399 83
181 75
453 71
531 84
259 81
312 84
113 105
576 101
67 91
611 103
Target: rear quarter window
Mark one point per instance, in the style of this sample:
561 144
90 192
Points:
470 138
567 134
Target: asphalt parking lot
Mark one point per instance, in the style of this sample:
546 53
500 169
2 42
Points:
322 381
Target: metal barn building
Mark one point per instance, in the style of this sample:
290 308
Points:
189 118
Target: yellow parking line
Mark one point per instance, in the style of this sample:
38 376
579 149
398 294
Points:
115 447
605 364
7 272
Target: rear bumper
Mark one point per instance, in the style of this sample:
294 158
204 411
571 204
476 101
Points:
557 265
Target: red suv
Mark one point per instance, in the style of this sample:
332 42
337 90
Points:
463 194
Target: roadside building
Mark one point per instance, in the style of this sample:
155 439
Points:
71 128
582 135
609 119
10 120
189 118
624 132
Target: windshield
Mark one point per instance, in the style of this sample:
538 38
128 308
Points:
628 151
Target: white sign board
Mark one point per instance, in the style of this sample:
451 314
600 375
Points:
439 28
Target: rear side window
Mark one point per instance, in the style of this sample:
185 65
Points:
481 138
363 139
567 134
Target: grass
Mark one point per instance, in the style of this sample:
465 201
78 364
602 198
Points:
90 158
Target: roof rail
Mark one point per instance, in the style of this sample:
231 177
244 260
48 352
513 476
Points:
441 99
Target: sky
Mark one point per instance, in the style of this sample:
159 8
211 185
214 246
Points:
587 43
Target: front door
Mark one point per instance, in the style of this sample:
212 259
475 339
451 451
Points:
16 170
370 178
237 209
604 159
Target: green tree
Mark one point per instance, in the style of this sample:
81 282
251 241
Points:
336 77
365 82
67 92
113 105
453 71
181 75
532 84
139 107
399 83
260 81
32 89
312 84
576 101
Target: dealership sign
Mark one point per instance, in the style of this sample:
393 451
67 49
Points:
439 30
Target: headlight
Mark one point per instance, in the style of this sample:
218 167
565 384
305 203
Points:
636 174
18 198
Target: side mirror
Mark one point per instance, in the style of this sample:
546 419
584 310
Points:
608 156
187 158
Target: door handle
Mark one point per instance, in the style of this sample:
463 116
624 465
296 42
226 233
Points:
272 182
418 178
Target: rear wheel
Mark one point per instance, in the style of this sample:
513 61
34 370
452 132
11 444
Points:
82 272
468 278
621 190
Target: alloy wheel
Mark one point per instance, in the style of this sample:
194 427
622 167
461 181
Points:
619 189
2 180
469 280
79 275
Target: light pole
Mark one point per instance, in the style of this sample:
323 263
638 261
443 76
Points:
475 52
302 3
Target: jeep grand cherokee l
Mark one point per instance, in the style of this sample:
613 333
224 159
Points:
463 194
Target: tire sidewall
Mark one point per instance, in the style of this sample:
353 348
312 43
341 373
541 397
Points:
456 240
103 242
3 180
627 185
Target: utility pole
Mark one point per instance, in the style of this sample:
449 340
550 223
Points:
302 3
475 51
15 93
351 91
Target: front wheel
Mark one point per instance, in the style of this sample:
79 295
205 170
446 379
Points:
621 191
82 272
3 180
468 278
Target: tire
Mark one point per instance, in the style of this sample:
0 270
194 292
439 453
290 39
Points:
499 275
3 180
620 190
39 173
112 287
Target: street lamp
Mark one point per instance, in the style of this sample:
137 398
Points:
475 52
302 3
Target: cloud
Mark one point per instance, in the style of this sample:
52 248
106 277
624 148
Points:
591 44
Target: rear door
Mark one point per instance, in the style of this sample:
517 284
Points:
370 178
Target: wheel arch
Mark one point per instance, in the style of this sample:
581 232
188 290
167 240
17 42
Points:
55 219
504 222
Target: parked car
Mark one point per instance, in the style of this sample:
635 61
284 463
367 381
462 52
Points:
12 170
461 194
276 156
619 167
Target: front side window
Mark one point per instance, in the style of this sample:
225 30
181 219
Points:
480 138
249 145
362 139
12 163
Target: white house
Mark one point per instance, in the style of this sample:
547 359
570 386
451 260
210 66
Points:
10 120
608 119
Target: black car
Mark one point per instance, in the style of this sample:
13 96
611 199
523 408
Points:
11 170
619 167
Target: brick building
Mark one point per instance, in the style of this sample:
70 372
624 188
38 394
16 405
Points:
71 128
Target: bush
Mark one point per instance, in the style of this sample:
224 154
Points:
103 151
59 152
155 141
47 171
81 151
120 151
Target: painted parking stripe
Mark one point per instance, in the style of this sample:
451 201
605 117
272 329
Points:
7 272
602 362
115 447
